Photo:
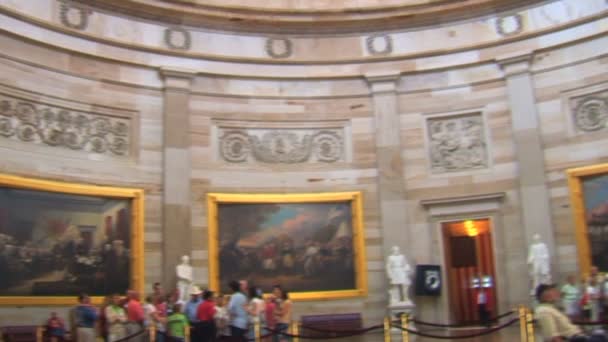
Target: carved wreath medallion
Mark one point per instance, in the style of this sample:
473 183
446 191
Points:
591 114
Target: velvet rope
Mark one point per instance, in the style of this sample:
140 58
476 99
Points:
338 334
328 331
461 324
141 332
605 322
482 333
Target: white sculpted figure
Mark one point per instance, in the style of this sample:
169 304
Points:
398 271
538 260
184 278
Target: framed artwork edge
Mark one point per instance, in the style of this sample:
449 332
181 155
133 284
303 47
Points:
136 235
575 176
361 289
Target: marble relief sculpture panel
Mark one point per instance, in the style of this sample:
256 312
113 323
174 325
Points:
285 146
42 124
457 143
590 112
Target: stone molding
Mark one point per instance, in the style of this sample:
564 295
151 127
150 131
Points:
281 145
464 204
456 142
515 64
40 123
177 78
225 48
383 82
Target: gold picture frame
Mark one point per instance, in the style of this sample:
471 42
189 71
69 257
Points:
288 209
136 226
581 214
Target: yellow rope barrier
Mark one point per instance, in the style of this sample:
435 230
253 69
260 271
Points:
257 331
387 329
152 333
522 324
295 330
530 325
405 335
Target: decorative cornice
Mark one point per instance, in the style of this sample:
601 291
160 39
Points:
490 197
515 64
382 81
177 78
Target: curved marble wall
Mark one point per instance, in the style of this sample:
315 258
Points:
516 84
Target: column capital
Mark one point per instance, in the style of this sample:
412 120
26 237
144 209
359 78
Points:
382 82
515 64
177 78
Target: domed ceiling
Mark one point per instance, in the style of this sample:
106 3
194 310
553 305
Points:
308 16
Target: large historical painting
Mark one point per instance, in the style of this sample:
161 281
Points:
311 244
59 240
589 191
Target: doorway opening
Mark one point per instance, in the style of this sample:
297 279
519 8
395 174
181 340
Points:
470 269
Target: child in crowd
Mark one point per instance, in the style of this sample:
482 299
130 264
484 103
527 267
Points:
177 324
269 312
55 328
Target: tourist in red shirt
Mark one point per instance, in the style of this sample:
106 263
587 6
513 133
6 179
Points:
135 314
205 314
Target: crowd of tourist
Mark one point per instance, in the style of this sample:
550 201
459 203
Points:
206 316
560 307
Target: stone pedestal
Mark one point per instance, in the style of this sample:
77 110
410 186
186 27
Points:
396 310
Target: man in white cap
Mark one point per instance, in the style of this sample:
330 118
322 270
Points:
191 308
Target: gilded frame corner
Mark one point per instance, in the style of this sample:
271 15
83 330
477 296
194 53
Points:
359 257
137 231
577 200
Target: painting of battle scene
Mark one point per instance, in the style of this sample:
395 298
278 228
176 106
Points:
56 244
595 197
302 246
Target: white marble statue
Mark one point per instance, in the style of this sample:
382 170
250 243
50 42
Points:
184 278
398 271
539 263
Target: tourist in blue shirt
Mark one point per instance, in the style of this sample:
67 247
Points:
85 317
236 308
191 309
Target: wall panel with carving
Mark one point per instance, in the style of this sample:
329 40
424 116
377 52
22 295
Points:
38 122
457 143
281 145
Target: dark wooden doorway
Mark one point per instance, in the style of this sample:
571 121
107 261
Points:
470 266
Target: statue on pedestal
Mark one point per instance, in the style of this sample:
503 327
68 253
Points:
398 271
184 279
539 262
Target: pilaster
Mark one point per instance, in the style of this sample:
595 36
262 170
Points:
176 170
533 189
391 188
